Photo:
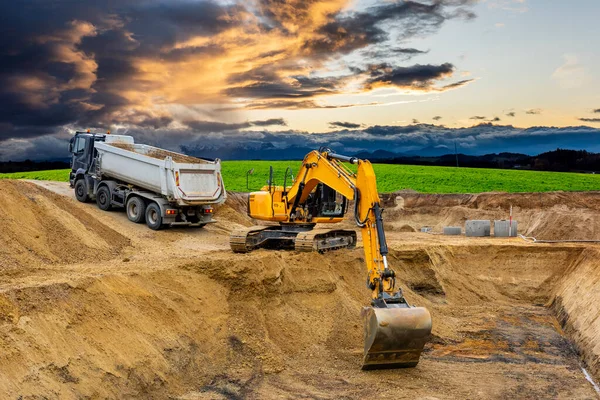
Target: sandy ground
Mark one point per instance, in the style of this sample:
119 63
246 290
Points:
94 306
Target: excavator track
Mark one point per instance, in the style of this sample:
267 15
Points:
323 240
241 241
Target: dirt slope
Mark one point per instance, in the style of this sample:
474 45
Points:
550 216
43 227
174 314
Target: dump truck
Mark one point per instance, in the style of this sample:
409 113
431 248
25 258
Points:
159 187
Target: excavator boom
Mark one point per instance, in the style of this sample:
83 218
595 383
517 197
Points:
395 332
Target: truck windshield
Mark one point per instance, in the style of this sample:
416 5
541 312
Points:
79 146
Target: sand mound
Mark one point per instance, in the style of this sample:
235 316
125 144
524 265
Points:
234 211
39 226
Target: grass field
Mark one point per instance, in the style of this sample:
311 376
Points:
396 177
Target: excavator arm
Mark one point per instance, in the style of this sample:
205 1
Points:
395 332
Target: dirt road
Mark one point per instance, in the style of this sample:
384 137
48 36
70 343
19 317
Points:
92 305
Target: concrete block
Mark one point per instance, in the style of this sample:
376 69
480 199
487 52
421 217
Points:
478 228
426 229
503 228
452 230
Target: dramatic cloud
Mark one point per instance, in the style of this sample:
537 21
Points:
183 64
594 120
347 125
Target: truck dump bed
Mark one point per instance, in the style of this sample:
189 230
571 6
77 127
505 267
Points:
180 178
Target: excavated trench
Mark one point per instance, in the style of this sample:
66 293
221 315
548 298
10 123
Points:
280 324
164 317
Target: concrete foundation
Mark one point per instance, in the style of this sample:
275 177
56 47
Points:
452 230
503 228
478 228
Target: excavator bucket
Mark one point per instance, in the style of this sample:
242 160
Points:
395 336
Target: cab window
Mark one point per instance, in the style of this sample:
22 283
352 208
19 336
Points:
79 147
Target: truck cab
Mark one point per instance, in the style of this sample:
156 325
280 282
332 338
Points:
83 157
83 154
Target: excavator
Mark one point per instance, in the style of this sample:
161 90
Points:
394 331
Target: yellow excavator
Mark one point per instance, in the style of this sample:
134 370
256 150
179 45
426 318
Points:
395 332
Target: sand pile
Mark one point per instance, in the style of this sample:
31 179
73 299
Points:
42 227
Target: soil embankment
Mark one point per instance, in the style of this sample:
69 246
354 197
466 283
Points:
546 216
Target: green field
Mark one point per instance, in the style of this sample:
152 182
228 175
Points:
397 177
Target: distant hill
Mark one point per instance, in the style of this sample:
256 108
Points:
557 160
28 165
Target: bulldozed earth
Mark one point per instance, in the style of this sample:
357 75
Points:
94 306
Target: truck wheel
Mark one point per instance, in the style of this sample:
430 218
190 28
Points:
153 217
136 209
103 198
81 192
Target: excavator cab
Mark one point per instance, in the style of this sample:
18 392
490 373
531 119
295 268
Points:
325 202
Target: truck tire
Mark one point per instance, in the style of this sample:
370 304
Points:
153 216
103 198
136 209
81 192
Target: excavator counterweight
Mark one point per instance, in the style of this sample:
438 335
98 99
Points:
395 332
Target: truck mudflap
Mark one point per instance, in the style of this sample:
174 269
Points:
395 336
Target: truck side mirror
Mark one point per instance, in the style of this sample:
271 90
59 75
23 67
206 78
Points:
71 144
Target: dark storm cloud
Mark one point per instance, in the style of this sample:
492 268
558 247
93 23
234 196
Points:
342 124
63 62
416 76
348 32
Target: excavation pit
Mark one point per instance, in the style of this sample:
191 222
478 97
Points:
186 318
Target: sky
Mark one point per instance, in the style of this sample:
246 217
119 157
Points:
274 78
